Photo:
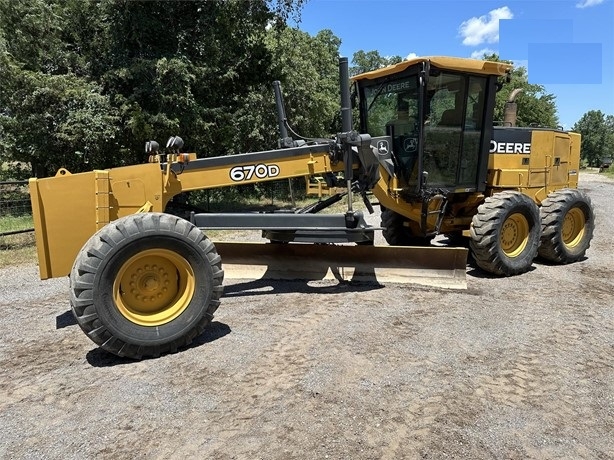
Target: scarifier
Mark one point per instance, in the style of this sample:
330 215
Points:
144 282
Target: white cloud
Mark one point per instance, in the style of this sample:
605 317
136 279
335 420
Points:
587 3
410 56
485 29
479 54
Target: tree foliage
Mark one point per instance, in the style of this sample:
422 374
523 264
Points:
597 132
371 60
535 105
96 80
51 114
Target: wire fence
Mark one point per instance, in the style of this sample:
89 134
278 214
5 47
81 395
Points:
16 224
15 208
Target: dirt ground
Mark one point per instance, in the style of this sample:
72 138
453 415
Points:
512 368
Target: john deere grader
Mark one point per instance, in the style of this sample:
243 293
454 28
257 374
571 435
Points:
144 282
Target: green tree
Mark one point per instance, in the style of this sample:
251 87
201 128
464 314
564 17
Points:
182 68
61 121
371 60
50 117
597 132
308 69
101 78
535 105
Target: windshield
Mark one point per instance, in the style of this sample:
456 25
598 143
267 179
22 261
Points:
391 109
391 102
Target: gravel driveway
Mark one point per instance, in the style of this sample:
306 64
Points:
512 368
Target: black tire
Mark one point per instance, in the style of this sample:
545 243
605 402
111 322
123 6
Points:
505 234
145 285
568 223
397 234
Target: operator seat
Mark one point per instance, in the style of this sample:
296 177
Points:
451 117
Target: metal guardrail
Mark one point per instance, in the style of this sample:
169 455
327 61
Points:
14 202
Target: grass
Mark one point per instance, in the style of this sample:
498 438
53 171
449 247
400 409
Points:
20 248
17 249
609 172
11 223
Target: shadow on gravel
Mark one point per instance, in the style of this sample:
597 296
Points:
474 271
548 263
267 287
214 331
101 358
65 319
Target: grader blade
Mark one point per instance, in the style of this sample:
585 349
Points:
431 266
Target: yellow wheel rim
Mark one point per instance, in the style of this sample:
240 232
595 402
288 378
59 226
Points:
573 227
514 235
154 287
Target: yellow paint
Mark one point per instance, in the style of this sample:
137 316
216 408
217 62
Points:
552 164
574 224
154 287
514 235
473 66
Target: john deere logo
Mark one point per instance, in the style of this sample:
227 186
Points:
383 147
410 144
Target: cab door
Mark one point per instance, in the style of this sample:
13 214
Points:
453 130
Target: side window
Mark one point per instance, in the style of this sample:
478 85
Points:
454 129
474 115
447 100
444 129
474 120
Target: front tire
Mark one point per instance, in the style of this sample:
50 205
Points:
568 223
505 234
397 234
145 285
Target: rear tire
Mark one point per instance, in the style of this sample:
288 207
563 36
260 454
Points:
505 234
145 285
568 223
397 234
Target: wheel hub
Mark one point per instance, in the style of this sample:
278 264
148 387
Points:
153 287
514 235
573 227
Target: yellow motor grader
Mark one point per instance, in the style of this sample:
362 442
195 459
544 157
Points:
144 282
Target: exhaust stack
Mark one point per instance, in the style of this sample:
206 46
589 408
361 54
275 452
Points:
510 112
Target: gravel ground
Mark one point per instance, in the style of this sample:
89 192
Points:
512 368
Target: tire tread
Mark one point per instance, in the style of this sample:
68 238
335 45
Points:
485 239
96 250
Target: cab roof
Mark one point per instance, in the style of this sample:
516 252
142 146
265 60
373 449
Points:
442 62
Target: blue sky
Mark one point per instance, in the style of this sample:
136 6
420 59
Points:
566 45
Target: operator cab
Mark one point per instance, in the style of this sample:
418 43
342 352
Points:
438 113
